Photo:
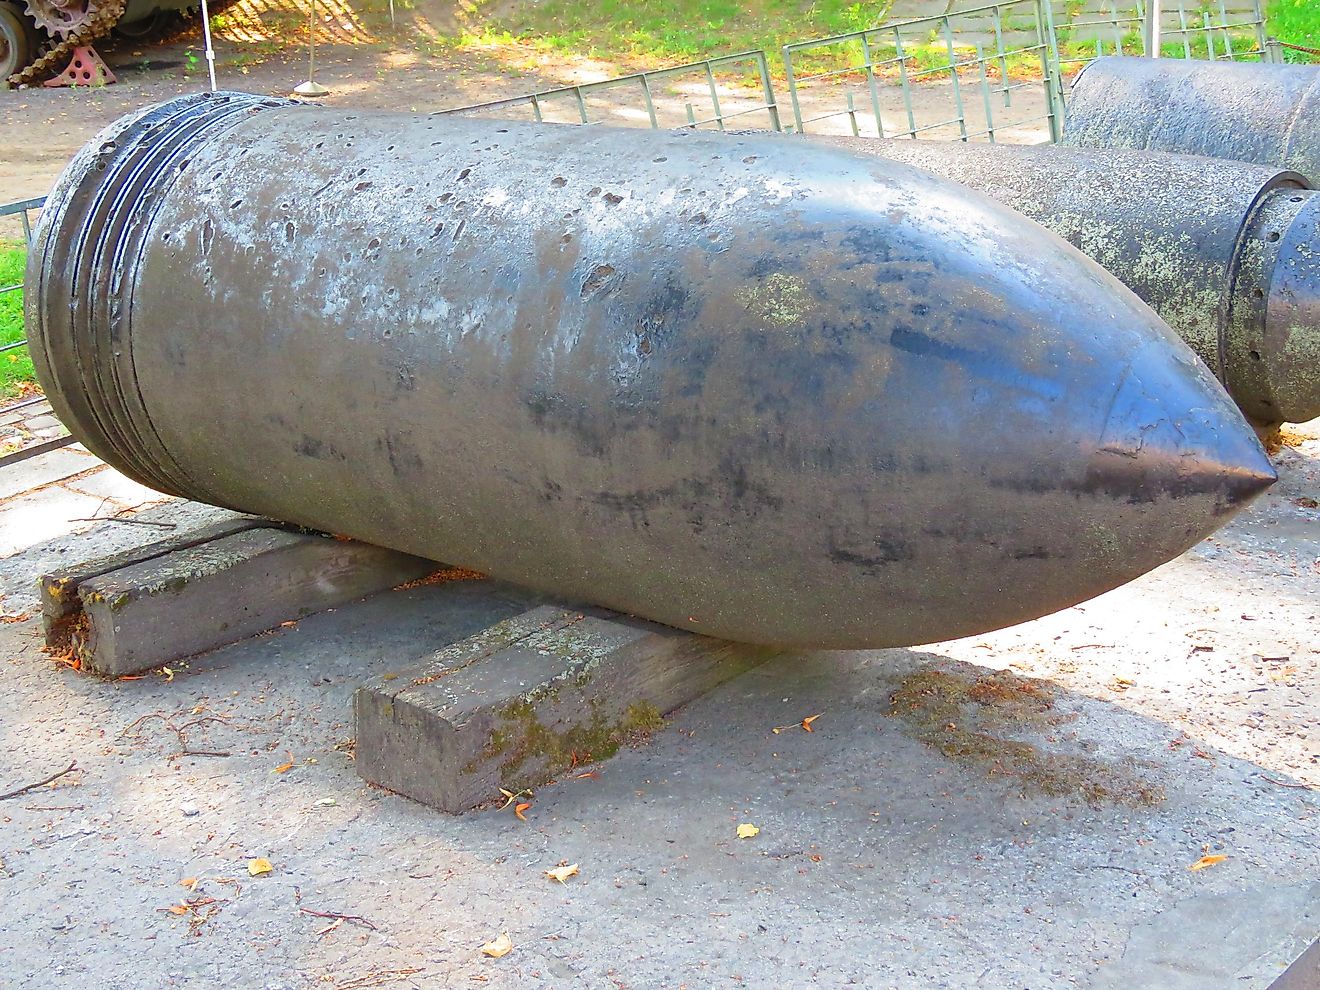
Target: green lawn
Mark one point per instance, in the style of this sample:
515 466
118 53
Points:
677 30
16 375
637 35
1297 22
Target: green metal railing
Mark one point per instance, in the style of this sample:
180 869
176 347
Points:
950 75
633 97
1113 27
977 65
23 210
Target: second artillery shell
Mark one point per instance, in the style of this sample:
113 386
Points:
1226 252
744 386
1250 111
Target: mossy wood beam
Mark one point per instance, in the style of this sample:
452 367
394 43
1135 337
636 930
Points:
527 699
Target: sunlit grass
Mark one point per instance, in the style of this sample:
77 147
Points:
1296 22
15 366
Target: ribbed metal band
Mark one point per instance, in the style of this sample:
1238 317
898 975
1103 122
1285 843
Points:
88 246
1261 241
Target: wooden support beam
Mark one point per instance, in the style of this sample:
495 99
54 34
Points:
524 700
192 593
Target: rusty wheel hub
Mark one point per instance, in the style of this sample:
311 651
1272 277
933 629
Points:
60 18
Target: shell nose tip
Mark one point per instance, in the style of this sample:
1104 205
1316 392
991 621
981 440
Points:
1250 479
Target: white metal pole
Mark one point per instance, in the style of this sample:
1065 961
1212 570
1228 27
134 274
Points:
311 87
210 49
1152 28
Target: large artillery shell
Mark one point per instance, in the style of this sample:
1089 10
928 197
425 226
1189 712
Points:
1226 252
1251 111
745 386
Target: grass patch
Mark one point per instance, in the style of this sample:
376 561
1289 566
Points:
678 30
978 719
1296 22
16 374
666 32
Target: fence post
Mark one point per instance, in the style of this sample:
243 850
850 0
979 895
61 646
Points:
1053 71
792 89
1152 29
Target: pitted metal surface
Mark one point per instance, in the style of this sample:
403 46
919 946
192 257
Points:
1224 251
754 388
1250 111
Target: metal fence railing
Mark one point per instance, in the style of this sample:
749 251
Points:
977 73
974 52
743 90
1209 29
24 210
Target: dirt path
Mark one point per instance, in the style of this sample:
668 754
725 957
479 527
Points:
42 128
1173 718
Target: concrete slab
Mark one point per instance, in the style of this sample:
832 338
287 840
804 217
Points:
34 472
526 699
1248 936
109 483
195 598
26 520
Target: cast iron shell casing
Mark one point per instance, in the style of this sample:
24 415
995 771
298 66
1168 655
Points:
745 386
1227 252
1251 111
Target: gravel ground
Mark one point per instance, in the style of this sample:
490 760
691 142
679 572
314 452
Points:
1173 718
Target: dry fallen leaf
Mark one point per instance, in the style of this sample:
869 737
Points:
746 831
189 882
286 766
518 810
1206 861
501 945
258 866
169 674
510 797
562 873
178 909
805 724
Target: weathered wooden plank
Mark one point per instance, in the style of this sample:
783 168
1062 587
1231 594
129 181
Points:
59 590
198 597
522 701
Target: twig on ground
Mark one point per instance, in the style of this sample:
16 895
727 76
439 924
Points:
377 979
1284 783
41 783
121 519
335 914
179 731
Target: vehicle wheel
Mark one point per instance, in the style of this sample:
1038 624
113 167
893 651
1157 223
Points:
18 40
146 27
